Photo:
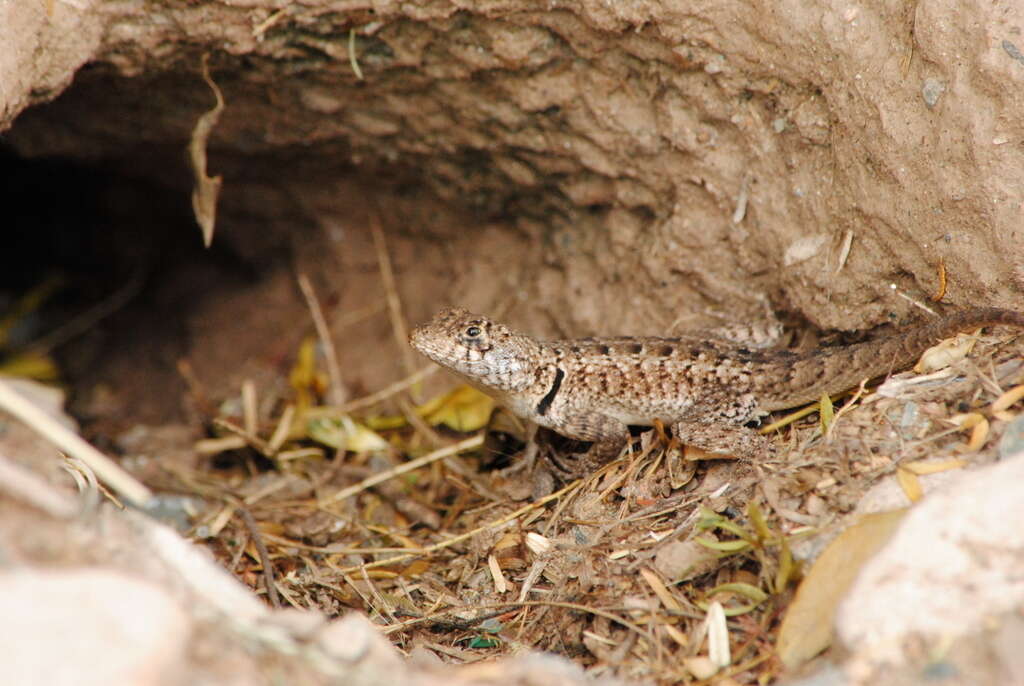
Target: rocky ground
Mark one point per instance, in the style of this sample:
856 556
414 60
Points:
579 168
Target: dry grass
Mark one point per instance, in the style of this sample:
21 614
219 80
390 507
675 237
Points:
375 516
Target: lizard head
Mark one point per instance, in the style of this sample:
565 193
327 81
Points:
484 352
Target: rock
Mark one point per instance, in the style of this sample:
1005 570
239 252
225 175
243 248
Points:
89 627
682 560
954 564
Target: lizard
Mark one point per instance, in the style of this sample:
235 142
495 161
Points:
707 391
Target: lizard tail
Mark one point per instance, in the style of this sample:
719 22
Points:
805 377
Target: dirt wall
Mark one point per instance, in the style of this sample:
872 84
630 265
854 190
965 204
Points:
627 167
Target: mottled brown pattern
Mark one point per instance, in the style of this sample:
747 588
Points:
591 389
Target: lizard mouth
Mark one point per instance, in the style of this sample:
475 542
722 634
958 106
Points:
419 339
416 341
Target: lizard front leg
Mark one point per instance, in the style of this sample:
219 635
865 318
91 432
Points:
607 435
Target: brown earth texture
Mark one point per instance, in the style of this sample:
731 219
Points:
581 167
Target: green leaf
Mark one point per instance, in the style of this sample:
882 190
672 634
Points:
712 520
484 642
746 590
733 546
826 411
787 568
758 521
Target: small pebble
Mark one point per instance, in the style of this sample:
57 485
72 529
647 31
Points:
931 91
1012 442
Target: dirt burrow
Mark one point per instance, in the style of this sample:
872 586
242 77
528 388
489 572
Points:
615 145
581 168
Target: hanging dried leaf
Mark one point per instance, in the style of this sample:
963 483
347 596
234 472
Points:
207 188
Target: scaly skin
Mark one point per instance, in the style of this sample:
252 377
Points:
591 389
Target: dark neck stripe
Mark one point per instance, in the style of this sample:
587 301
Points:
545 403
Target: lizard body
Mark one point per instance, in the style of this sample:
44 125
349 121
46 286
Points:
592 389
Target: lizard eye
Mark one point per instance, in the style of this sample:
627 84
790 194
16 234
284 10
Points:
473 331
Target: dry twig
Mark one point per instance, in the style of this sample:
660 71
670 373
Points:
454 449
387 275
261 548
71 443
447 543
338 394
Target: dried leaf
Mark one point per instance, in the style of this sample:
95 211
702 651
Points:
910 484
500 585
345 434
700 666
212 446
695 454
304 378
363 440
968 420
352 54
807 627
979 433
538 544
30 365
678 636
945 353
718 636
511 539
660 590
207 188
978 425
1008 399
463 409
388 574
1004 415
940 293
922 467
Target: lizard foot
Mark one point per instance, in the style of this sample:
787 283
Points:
578 465
724 439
